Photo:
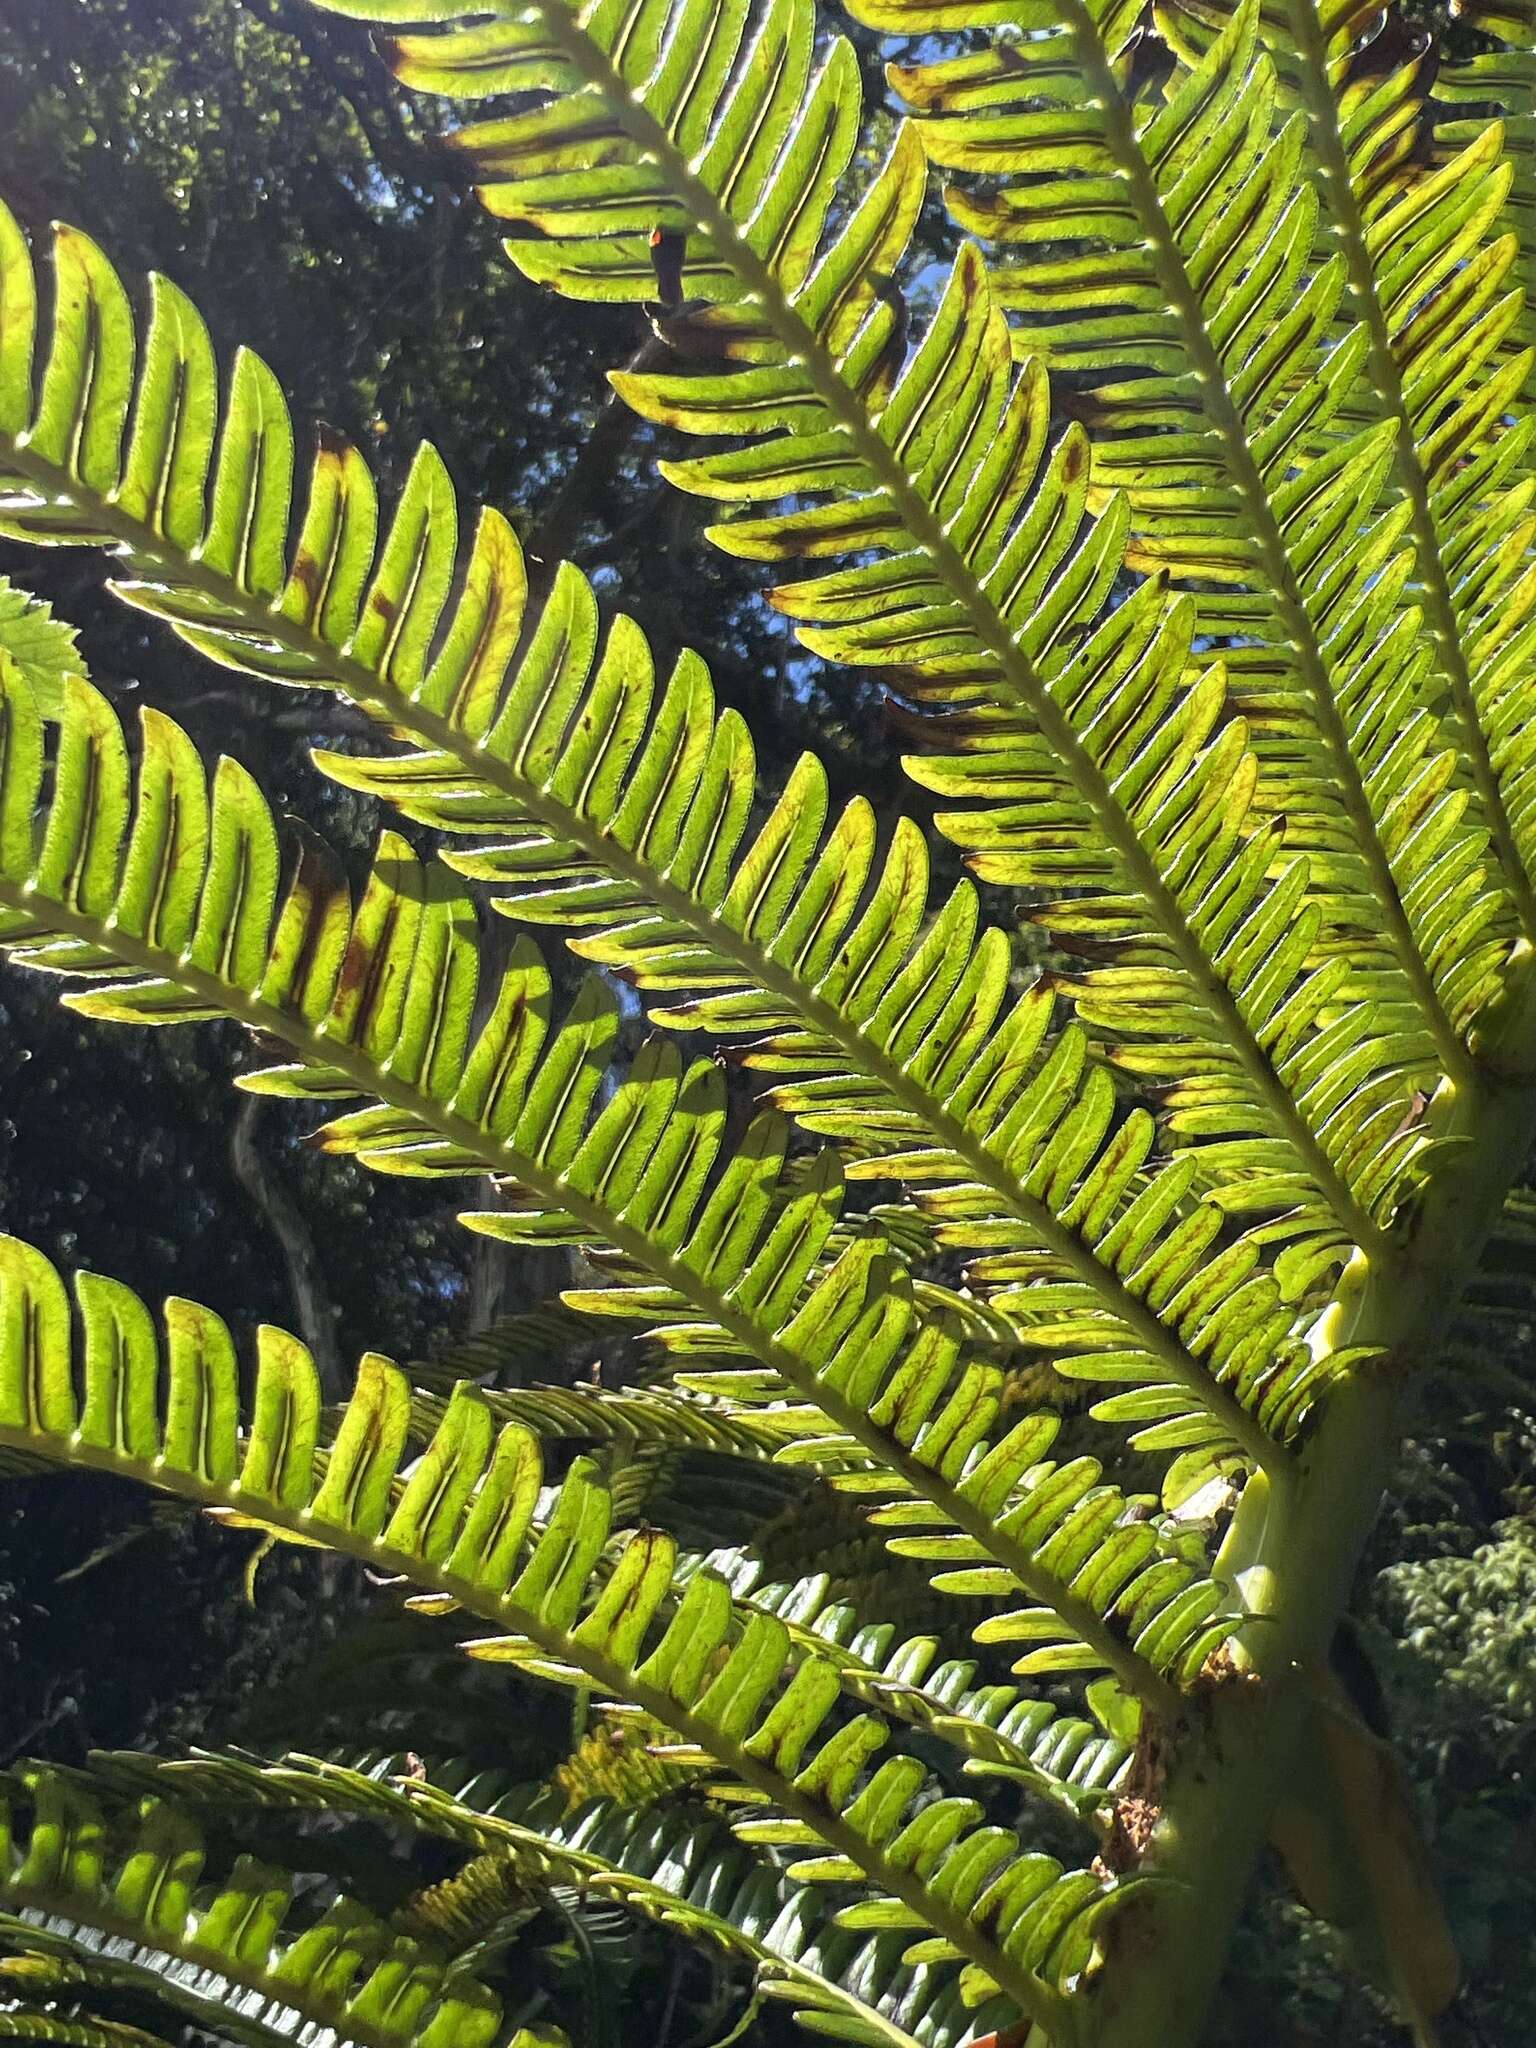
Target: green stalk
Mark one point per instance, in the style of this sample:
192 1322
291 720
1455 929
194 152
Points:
1298 1546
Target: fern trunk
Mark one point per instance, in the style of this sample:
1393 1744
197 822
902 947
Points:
1295 1548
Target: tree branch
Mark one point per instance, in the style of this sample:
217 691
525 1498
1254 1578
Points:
313 1308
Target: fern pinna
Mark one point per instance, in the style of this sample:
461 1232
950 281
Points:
1186 521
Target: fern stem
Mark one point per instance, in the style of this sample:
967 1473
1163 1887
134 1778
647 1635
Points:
1387 382
920 518
1037 2000
364 686
1236 1743
1279 574
499 1156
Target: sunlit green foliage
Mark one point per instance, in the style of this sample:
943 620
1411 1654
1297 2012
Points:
1190 532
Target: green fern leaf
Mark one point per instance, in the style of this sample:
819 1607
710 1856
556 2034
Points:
807 942
379 1005
261 613
980 596
462 1523
677 1867
136 1914
1001 1731
1234 691
1192 256
42 647
19 2024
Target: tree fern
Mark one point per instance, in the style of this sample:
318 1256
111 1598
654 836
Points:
1191 536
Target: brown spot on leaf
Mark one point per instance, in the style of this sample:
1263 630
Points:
355 967
306 572
1074 458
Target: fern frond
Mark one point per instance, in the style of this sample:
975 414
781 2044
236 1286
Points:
176 915
462 1525
1467 87
59 2030
1001 1731
997 1729
643 1418
986 596
997 1518
857 1976
127 1901
526 1342
896 1039
677 1866
1194 276
1421 212
612 809
1429 279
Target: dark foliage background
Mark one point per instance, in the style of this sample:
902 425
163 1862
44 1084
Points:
256 152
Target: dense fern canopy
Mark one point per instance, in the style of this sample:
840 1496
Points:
1076 1233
